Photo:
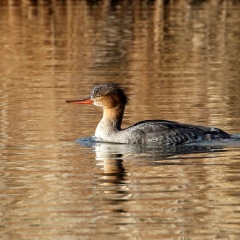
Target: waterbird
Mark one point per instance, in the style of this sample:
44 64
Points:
113 99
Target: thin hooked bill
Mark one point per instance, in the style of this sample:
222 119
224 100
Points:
81 101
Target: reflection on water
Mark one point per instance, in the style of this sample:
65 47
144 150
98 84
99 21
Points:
179 60
152 193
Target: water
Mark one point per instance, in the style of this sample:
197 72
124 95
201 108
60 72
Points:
178 61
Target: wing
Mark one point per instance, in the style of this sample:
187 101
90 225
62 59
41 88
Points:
173 133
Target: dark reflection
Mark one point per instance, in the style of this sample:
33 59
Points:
112 156
114 186
113 183
120 151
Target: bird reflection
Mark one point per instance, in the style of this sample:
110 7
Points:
114 185
112 181
112 156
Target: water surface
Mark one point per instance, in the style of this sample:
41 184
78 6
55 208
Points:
178 61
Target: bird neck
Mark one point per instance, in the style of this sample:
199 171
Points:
112 117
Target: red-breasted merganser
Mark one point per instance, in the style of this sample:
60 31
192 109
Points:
113 100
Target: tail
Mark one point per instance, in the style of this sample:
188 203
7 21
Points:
216 133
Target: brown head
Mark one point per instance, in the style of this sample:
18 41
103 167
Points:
107 95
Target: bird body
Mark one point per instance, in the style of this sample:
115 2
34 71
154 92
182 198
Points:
113 100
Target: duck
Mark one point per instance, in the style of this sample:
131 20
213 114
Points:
113 99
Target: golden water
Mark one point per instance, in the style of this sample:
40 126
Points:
178 61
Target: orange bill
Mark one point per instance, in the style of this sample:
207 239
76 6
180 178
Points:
81 101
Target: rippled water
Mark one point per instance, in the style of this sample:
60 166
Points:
177 60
